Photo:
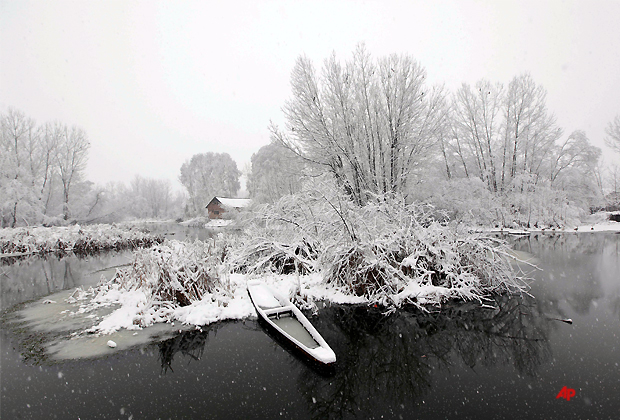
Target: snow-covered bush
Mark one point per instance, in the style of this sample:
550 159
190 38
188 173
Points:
176 272
386 251
76 239
466 200
173 281
523 204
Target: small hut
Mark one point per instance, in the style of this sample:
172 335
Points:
220 205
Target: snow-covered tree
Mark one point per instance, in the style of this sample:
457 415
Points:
71 158
52 135
575 154
19 168
613 134
499 134
151 197
275 171
206 175
370 123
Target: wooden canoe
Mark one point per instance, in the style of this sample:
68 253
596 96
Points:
290 322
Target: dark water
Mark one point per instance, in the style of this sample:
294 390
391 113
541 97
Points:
463 362
34 277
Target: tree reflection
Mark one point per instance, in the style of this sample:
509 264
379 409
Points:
576 267
188 343
393 358
35 277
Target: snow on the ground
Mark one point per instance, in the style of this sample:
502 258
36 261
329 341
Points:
606 226
135 313
67 238
136 310
218 223
195 222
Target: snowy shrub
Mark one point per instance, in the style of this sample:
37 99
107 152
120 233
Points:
524 204
176 272
467 200
76 239
386 251
403 251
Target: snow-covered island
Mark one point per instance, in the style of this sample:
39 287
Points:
385 253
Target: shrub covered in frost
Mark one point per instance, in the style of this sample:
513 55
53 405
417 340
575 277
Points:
174 281
76 239
387 251
176 272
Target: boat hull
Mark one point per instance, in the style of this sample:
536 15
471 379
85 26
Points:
289 322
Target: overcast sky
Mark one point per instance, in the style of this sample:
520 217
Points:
153 83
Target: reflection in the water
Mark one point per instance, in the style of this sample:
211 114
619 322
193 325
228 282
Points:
32 277
410 364
393 358
40 276
190 344
579 268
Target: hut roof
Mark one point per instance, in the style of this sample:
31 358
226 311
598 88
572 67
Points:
235 203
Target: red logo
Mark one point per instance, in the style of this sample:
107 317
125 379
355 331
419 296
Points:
566 393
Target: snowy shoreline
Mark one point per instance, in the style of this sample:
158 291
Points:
190 284
609 226
23 241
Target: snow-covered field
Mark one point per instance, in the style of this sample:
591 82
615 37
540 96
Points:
79 239
218 223
139 306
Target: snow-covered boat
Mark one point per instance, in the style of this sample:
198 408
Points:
290 322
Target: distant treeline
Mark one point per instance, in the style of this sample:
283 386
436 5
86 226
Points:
42 180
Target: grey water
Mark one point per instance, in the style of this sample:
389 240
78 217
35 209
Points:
33 277
463 361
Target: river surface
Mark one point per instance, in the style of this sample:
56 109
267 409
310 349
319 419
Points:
464 361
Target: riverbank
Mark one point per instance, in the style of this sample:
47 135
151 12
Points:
606 226
24 241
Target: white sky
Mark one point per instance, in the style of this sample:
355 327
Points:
153 83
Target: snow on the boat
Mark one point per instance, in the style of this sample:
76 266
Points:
324 355
264 298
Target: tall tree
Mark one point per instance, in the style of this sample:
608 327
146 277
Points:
71 158
18 168
501 134
51 139
275 171
477 126
575 154
209 174
613 134
368 123
151 197
530 131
